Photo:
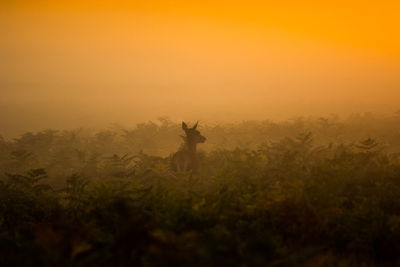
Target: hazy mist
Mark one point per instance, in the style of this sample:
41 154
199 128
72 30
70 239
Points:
70 65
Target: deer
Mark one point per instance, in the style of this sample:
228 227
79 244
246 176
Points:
186 158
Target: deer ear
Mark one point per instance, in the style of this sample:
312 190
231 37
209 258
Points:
195 126
184 126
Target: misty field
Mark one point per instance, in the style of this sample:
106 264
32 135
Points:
309 192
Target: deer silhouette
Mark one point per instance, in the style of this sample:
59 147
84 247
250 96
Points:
186 158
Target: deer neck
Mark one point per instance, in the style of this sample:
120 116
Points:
191 147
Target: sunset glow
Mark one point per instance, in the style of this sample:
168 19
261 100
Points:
199 133
71 63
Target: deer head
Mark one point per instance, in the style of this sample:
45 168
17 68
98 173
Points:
193 136
186 157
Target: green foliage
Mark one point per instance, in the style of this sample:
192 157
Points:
25 199
71 199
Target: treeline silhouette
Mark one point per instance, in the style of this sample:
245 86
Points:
319 192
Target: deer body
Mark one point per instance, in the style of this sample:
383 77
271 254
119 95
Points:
186 158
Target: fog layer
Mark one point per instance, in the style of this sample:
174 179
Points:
68 64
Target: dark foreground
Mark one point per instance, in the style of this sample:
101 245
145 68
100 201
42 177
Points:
286 203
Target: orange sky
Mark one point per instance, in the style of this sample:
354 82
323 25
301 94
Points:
72 63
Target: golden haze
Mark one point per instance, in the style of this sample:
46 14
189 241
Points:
72 63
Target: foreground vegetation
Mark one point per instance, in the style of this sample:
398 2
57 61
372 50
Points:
308 192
